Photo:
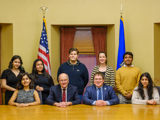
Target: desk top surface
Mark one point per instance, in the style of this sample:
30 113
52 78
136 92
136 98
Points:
81 112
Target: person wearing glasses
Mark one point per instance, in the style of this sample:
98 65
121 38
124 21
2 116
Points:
64 94
100 94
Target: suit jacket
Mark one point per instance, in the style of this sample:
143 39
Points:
109 95
55 95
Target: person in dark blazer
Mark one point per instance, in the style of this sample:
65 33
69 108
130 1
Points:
63 95
100 94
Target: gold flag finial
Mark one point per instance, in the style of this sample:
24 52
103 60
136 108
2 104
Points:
44 9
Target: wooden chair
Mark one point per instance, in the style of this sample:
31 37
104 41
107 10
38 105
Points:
40 96
2 95
116 91
158 87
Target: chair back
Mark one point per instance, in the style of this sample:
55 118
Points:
158 87
40 96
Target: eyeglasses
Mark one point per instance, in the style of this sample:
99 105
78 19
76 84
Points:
65 80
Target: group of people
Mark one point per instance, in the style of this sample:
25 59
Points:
23 89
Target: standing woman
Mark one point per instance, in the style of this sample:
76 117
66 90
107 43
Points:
10 76
105 69
145 93
42 80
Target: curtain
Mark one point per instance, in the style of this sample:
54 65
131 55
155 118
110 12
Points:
0 45
99 40
67 38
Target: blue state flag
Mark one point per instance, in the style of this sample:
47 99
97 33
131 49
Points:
121 49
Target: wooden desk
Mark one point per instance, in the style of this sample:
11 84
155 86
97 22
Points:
81 112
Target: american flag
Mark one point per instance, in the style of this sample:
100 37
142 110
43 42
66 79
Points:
43 51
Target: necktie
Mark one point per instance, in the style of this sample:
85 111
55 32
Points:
64 96
99 94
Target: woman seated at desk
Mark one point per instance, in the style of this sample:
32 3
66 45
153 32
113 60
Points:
25 95
145 93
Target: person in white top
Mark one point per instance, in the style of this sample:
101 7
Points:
145 93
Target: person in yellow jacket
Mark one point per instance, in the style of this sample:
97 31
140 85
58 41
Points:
127 78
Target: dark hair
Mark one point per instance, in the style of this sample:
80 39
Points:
104 54
149 87
98 73
128 53
73 49
21 68
34 74
19 84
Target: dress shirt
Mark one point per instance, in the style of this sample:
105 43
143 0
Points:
101 95
130 66
65 92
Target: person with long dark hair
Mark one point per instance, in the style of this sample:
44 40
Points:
42 80
25 95
10 76
107 71
145 93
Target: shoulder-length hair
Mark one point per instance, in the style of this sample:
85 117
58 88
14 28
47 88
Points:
19 84
34 74
10 66
104 54
149 87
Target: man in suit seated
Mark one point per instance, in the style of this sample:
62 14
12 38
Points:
100 94
63 95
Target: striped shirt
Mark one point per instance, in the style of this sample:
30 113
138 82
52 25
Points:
109 76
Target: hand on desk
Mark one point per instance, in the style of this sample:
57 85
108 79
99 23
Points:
63 104
151 102
22 105
100 103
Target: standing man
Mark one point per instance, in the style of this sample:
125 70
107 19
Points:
77 71
63 95
127 78
100 94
